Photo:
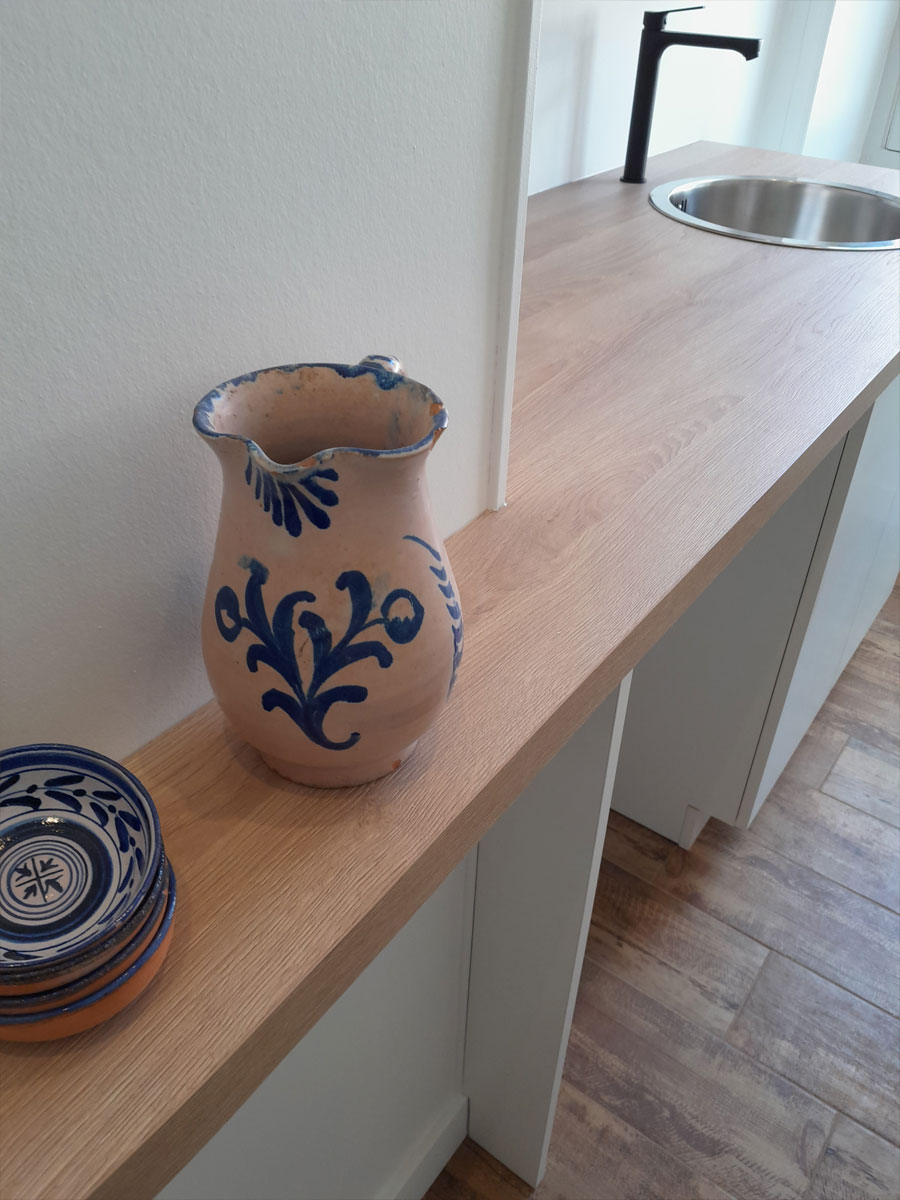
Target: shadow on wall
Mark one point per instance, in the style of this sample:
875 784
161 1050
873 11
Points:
582 89
859 51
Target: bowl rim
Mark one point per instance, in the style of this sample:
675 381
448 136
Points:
10 968
101 993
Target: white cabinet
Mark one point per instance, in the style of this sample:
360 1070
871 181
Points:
369 1105
718 706
861 567
459 1025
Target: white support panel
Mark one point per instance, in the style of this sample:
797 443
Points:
861 569
535 883
524 39
369 1105
881 146
872 507
699 698
691 826
772 752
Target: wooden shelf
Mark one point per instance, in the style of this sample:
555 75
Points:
672 389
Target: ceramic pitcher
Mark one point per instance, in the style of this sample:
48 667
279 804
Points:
332 630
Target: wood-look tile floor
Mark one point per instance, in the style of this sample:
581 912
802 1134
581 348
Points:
736 1032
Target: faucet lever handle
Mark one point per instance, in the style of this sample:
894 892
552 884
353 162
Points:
656 19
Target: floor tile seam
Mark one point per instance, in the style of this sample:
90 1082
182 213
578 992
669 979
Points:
833 764
667 896
672 966
770 950
639 1133
795 862
833 1108
758 940
814 1172
746 1000
768 946
830 1104
821 874
683 1158
854 807
723 1041
834 983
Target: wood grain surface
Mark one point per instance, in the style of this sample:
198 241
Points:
739 1124
474 1172
672 389
816 755
835 839
671 950
830 1042
856 1165
602 1151
869 777
736 878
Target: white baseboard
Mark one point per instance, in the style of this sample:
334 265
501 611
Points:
427 1157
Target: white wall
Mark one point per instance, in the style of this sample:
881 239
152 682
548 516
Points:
881 146
858 47
813 89
195 188
585 83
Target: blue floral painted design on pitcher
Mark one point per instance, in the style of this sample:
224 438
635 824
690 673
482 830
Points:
307 705
445 586
285 498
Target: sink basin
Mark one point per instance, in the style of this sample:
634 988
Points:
786 212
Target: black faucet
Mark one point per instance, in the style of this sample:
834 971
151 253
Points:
654 39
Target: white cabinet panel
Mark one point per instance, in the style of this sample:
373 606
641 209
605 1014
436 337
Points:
537 873
467 1009
699 698
862 566
369 1104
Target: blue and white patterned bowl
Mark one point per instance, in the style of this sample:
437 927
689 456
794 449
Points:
30 978
107 971
80 846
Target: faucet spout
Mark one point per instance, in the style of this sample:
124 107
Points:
655 39
749 47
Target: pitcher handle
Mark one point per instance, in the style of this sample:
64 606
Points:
384 362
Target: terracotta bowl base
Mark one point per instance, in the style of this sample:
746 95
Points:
48 1000
67 1024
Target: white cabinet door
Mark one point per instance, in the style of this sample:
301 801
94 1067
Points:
535 884
369 1104
861 570
699 698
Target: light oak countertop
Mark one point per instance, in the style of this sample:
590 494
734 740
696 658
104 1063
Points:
672 389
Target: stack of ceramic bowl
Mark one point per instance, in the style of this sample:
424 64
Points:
87 895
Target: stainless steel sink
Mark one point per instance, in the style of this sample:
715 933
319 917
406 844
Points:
786 212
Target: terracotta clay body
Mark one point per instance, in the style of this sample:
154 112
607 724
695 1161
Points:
331 624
